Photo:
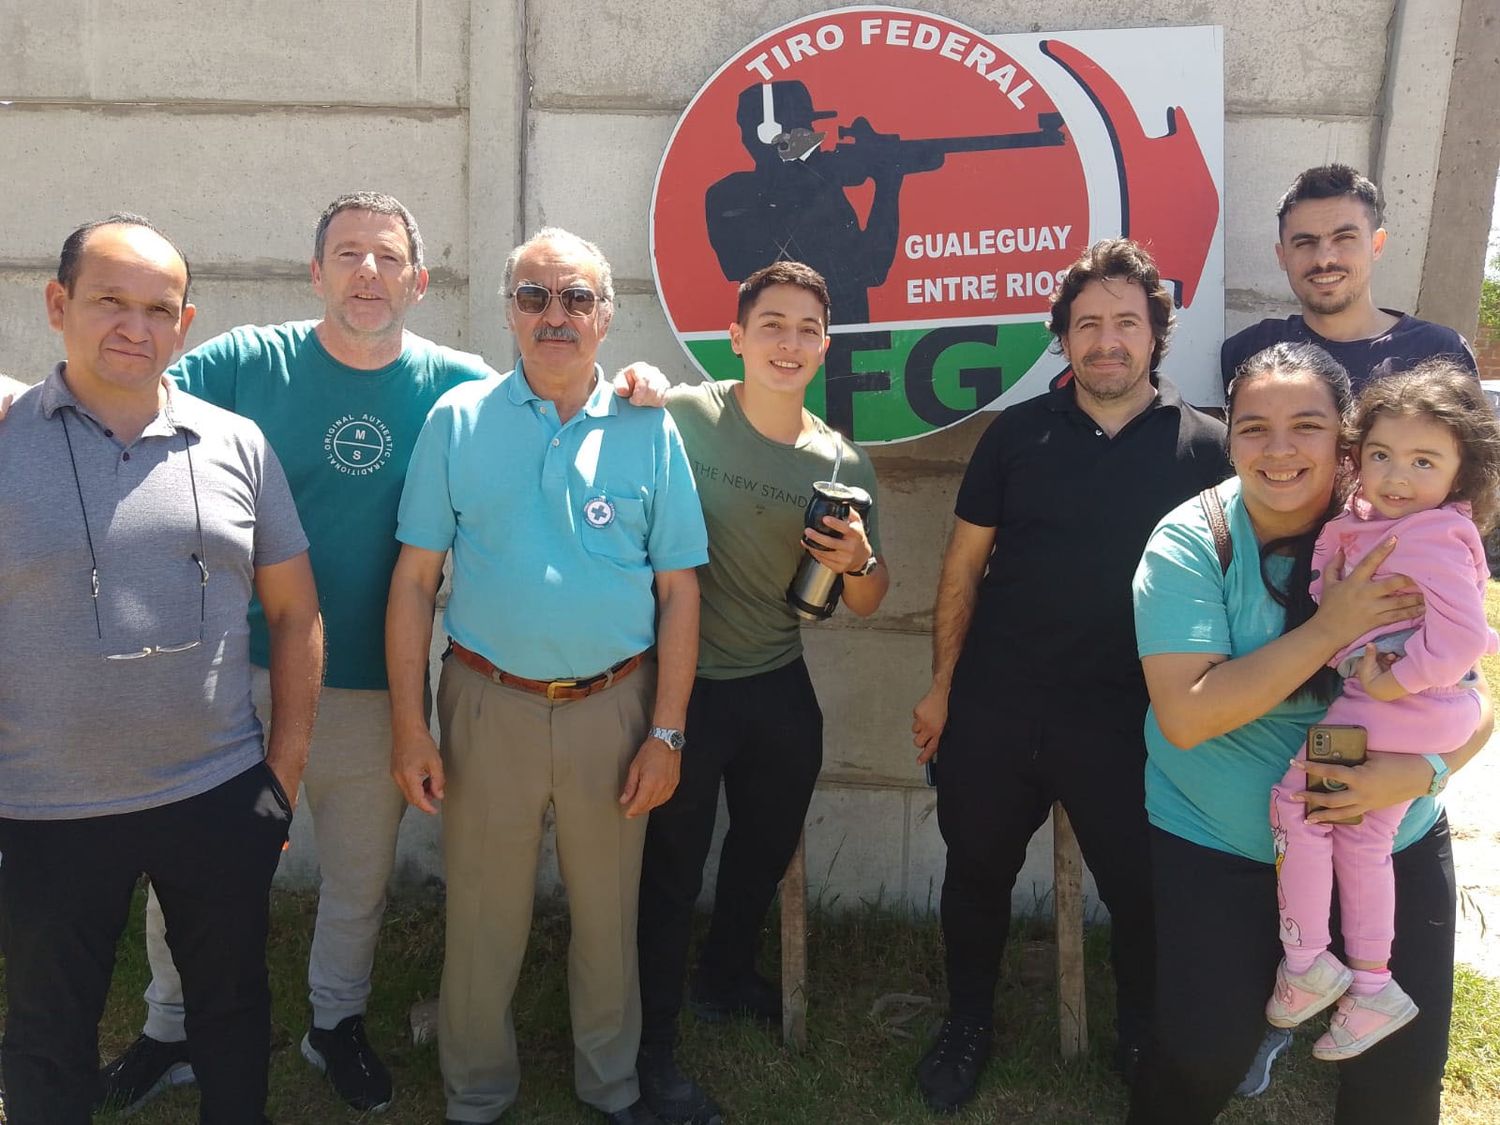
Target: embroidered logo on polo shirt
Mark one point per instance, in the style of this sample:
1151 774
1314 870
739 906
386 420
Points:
358 444
599 512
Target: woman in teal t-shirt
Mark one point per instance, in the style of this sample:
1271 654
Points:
1235 660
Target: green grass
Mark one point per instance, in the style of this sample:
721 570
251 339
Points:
857 1067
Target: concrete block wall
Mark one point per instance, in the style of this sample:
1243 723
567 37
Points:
492 117
232 136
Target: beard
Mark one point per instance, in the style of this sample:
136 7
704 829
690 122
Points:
1330 304
1107 388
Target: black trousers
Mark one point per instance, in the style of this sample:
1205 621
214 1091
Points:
763 736
998 776
1218 970
65 888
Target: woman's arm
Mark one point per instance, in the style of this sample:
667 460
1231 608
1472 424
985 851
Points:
1200 696
1389 778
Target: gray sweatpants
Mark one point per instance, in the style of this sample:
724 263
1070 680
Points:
356 810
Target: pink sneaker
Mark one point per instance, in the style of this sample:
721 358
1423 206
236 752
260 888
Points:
1363 1021
1301 995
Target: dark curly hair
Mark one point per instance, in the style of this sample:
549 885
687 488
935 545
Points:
1116 258
1443 391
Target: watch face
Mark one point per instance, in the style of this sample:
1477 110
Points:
673 738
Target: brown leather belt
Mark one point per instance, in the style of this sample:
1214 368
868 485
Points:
552 689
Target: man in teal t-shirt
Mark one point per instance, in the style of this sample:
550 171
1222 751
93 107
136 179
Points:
341 401
753 719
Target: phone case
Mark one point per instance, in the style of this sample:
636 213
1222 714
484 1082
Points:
1345 745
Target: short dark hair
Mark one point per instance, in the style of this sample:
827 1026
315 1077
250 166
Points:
380 204
1331 181
1441 391
1127 260
781 273
70 261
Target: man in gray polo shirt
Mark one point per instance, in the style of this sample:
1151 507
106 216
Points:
138 520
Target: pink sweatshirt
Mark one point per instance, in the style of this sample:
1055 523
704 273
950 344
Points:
1441 552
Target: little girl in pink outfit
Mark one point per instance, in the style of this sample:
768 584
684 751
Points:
1428 450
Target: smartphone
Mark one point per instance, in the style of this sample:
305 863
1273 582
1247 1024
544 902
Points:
1345 745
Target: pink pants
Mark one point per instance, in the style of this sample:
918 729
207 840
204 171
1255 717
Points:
1309 856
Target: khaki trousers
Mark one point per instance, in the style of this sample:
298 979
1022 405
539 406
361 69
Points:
508 754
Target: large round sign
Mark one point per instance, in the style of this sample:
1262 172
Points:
923 170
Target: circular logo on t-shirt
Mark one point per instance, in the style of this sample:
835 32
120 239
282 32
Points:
599 512
358 445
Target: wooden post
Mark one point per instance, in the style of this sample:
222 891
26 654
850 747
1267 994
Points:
1067 899
794 949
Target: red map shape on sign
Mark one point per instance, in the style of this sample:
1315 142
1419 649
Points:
1168 201
920 189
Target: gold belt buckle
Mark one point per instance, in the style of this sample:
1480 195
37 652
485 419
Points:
555 684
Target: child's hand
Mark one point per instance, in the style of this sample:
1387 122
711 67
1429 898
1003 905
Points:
1378 683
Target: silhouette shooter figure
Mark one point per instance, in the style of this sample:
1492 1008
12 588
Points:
793 204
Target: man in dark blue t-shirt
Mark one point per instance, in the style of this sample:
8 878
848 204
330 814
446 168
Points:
1329 238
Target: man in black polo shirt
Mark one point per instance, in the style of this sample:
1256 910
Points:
1329 238
1037 693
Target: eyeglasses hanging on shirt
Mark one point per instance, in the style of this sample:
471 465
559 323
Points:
199 558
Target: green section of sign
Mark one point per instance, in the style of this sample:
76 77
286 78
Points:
904 383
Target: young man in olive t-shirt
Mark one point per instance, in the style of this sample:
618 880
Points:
753 720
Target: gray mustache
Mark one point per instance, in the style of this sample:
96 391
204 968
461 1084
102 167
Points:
555 332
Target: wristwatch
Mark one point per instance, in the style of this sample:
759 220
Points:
1440 772
673 738
868 569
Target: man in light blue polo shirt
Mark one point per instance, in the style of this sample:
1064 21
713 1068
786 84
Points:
573 620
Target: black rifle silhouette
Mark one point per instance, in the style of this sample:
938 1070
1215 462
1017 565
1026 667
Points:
793 206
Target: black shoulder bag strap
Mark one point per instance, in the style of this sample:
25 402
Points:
1213 511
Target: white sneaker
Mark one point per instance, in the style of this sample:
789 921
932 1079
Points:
1363 1021
1299 996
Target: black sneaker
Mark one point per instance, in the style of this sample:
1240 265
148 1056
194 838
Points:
949 1072
345 1055
145 1068
672 1095
752 996
636 1113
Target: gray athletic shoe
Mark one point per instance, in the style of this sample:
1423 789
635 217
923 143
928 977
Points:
1258 1077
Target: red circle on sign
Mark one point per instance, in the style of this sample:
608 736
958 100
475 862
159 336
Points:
942 173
